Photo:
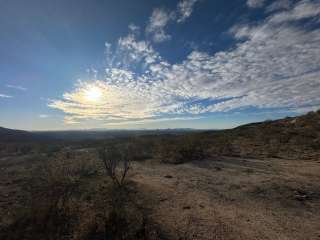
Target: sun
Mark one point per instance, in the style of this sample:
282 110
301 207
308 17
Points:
93 94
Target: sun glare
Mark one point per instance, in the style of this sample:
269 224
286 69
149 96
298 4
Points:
93 94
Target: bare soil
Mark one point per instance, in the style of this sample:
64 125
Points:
219 198
232 198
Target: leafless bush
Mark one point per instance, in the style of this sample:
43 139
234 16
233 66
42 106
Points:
51 206
181 150
66 170
112 157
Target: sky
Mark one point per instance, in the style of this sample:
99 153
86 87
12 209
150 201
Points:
151 64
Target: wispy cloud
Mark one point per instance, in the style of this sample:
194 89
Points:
134 28
185 9
279 5
157 24
255 3
161 18
43 116
274 65
5 96
301 11
17 87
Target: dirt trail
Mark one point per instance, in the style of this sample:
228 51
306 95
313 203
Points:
232 199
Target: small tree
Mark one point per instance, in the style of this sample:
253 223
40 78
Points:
112 157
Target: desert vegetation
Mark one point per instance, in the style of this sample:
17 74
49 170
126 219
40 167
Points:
111 157
258 181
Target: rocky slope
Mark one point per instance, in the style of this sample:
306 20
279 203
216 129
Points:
291 138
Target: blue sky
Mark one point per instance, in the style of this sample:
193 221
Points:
74 64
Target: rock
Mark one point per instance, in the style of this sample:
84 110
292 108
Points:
301 198
301 195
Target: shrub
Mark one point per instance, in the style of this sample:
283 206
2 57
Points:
52 206
182 150
111 157
63 172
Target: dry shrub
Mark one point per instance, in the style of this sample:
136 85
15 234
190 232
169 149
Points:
116 162
60 208
182 150
52 211
141 148
121 217
54 205
62 170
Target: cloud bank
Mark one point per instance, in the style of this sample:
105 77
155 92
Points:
275 64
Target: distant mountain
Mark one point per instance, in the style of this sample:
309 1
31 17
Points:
79 135
16 135
100 134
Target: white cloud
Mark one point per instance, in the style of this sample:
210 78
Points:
274 66
5 96
302 10
121 99
17 87
161 18
185 8
279 5
255 3
43 116
157 24
134 28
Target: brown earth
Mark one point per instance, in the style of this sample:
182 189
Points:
222 198
232 198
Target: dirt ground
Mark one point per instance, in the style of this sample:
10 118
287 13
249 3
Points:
231 198
220 198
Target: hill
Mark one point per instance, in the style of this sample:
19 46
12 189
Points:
11 135
291 138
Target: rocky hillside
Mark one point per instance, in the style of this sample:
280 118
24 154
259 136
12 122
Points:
292 138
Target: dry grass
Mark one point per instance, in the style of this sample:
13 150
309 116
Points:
62 191
221 198
70 198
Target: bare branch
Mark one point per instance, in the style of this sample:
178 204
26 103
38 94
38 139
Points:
111 157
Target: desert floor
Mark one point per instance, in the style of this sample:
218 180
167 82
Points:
218 198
